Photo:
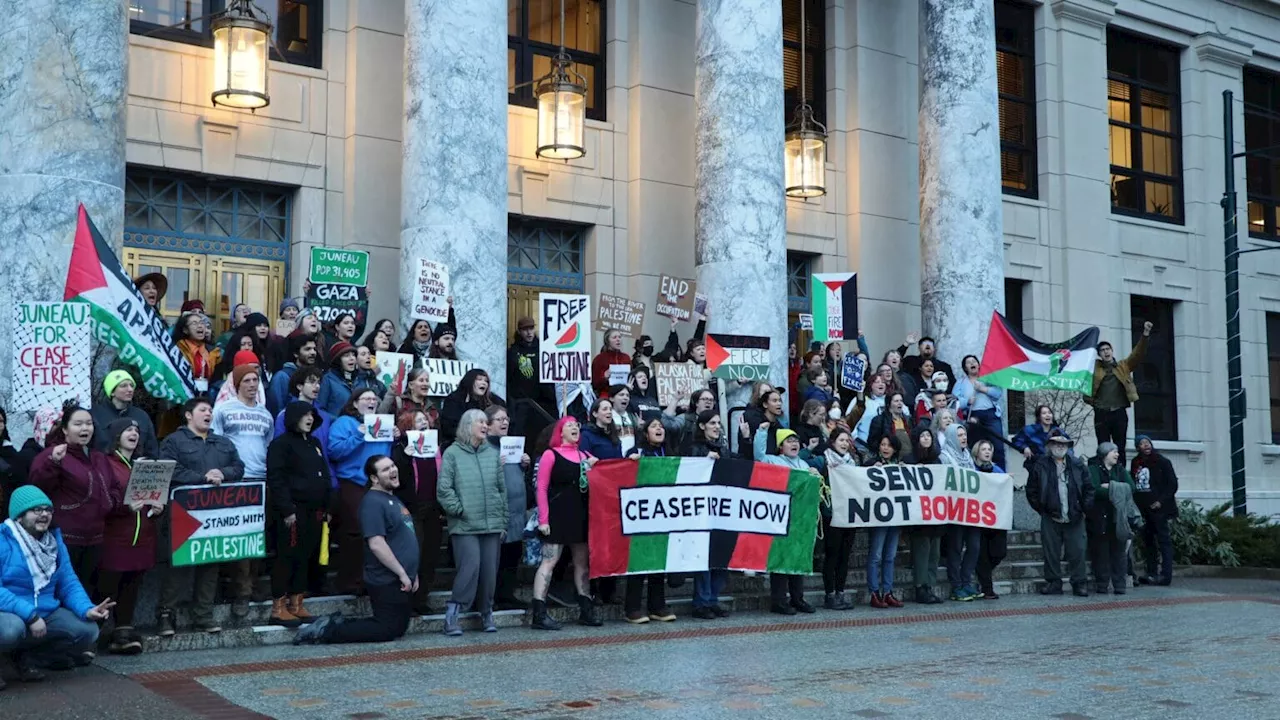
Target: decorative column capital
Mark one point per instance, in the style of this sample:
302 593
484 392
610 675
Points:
1218 48
1097 13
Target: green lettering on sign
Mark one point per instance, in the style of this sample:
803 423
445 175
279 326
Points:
342 267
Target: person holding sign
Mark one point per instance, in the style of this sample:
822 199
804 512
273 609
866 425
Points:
837 542
414 398
709 441
418 468
610 354
298 481
514 475
350 452
788 456
651 443
963 541
46 618
128 541
883 549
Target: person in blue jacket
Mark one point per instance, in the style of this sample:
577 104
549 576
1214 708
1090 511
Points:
343 378
1030 440
46 618
348 452
600 436
304 351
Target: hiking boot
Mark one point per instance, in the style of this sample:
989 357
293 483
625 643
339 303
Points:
588 613
124 642
540 619
168 625
662 614
295 607
703 612
890 600
1079 591
720 610
486 621
1165 581
280 614
452 626
636 617
829 601
924 596
240 609
801 605
876 601
318 631
782 609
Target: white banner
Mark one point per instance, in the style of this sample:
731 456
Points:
444 375
896 495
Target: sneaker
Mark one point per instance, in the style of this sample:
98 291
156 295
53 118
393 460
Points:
802 606
168 626
891 601
990 594
662 614
636 617
829 601
124 642
842 602
720 610
1079 591
876 601
704 613
316 632
782 609
959 594
488 623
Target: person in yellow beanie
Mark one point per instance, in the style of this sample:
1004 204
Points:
119 387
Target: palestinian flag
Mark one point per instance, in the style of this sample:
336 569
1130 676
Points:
121 319
834 297
663 514
1014 361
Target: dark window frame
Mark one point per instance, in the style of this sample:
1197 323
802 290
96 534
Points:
313 57
1021 18
556 240
1263 170
799 268
815 66
1154 401
1117 39
1273 373
525 50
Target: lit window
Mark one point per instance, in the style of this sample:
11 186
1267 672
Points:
533 39
1015 79
1146 146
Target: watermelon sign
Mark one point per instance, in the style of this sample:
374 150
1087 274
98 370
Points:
564 333
218 523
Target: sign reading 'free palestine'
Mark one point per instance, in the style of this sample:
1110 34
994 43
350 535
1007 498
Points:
564 333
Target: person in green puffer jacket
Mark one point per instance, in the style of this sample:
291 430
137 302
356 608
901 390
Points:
1107 548
473 494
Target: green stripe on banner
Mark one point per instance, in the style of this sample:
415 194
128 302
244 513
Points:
818 308
1015 378
648 553
793 553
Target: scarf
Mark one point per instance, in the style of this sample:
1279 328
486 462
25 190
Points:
421 349
199 357
41 555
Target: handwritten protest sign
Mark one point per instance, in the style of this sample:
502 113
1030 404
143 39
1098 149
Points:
564 331
895 495
619 313
218 523
50 354
379 428
738 357
149 482
618 374
853 372
445 375
676 381
431 292
700 303
329 300
512 450
393 370
675 298
422 443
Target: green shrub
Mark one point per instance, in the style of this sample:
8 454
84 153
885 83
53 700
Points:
1197 538
1254 538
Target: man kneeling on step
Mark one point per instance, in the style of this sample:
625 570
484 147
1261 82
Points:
46 618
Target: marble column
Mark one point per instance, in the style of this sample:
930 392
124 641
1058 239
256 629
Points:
740 231
961 232
454 178
63 68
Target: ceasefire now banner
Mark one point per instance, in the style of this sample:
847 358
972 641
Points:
895 495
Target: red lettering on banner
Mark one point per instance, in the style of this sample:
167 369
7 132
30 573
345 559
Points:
926 508
971 511
989 514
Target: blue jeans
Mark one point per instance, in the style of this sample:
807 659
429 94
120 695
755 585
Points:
880 557
963 543
707 587
65 635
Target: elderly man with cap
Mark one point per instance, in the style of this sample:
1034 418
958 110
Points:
1058 488
46 617
119 387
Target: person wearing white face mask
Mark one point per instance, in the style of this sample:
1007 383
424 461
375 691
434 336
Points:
1059 489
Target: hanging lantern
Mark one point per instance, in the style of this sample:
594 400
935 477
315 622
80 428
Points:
562 111
805 148
241 48
805 155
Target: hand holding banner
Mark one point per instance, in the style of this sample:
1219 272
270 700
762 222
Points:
379 428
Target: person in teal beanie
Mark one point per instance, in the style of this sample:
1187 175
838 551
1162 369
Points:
46 617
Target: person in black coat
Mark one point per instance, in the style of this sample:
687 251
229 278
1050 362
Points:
299 483
1062 519
1155 494
523 382
472 394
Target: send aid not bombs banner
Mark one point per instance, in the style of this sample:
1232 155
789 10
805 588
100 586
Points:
564 333
890 495
662 514
218 523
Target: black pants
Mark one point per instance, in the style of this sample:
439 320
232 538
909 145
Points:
84 560
391 609
296 549
427 528
1159 546
122 587
782 585
350 539
657 592
994 548
837 544
1112 426
508 570
1108 554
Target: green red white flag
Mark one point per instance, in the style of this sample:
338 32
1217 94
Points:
121 319
662 514
834 300
1014 361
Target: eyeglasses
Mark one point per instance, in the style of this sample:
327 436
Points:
42 510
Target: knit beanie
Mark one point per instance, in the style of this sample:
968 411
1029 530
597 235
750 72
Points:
114 378
782 434
117 428
25 498
245 362
287 303
256 319
446 329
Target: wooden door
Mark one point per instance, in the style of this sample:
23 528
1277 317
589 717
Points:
219 281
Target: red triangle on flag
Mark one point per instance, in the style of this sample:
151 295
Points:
1001 350
716 355
182 525
85 272
834 285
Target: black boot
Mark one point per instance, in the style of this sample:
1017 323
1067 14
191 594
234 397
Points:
588 614
540 620
504 596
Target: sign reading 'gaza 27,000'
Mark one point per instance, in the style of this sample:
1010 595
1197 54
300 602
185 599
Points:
564 331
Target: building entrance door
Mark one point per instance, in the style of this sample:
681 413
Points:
221 282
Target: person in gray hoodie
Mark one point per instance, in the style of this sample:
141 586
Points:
515 474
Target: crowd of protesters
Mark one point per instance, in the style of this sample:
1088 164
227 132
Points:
289 409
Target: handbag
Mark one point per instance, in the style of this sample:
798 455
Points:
532 541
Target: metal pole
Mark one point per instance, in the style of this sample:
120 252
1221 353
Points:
1235 387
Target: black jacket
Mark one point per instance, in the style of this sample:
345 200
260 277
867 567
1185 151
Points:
418 478
911 366
297 472
1160 485
460 401
701 448
880 424
523 374
196 456
1042 488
